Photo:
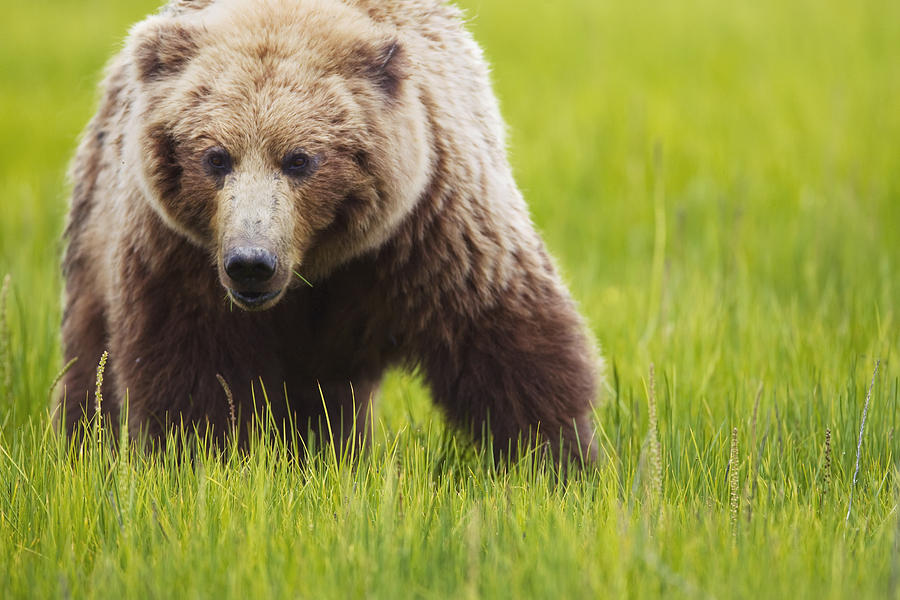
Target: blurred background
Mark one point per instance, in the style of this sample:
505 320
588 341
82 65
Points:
718 181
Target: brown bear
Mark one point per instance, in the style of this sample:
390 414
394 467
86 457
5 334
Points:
297 195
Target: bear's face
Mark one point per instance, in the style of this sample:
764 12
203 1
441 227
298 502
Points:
281 137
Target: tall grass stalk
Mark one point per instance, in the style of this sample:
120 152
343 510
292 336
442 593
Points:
5 345
862 428
656 470
753 456
229 397
59 376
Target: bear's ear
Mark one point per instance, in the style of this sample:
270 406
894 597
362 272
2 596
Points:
385 64
177 7
161 48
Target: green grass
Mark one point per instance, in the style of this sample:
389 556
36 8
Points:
721 186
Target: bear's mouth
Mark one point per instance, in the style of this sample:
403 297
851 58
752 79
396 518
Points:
253 300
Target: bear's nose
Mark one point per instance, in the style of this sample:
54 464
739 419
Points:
250 265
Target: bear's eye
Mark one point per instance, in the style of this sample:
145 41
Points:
218 161
298 164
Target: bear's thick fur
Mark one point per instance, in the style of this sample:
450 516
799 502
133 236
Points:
242 144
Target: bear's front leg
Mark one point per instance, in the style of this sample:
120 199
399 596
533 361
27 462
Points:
523 369
84 340
165 356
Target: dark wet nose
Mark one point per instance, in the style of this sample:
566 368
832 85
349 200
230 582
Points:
250 266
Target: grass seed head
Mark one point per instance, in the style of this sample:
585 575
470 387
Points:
826 469
230 397
98 395
734 482
98 392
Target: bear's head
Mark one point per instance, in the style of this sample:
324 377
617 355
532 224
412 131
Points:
285 137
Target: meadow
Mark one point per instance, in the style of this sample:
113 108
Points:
720 185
